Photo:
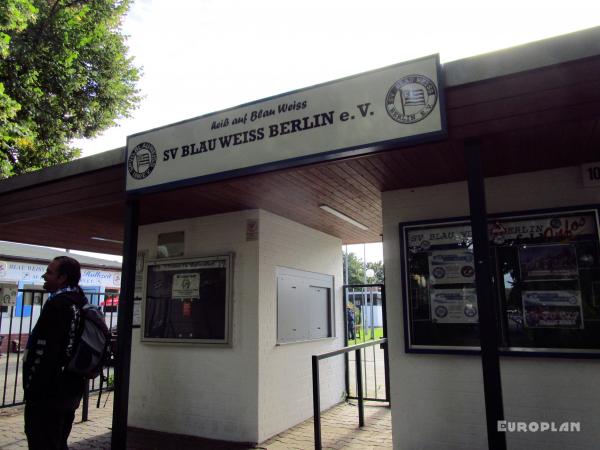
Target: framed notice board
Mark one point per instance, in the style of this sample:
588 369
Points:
188 300
546 273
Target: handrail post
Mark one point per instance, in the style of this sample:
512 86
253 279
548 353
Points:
359 388
386 354
359 385
316 402
346 336
86 401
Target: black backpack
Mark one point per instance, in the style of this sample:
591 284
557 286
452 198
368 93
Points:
92 348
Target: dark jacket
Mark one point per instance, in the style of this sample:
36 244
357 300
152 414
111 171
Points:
56 329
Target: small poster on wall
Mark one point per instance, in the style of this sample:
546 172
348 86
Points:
548 262
186 286
454 306
8 294
451 267
552 309
137 312
141 259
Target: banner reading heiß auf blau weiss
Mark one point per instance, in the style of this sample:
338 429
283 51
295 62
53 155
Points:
359 114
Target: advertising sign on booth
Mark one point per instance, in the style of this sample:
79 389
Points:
32 273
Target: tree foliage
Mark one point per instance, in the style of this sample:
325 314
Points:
64 74
356 270
377 267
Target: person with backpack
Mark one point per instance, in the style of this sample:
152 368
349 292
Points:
52 392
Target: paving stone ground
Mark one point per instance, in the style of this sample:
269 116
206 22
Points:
339 431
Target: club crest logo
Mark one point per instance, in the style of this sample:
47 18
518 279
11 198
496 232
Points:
141 161
411 99
470 311
441 311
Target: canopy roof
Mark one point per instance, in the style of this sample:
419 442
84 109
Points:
533 107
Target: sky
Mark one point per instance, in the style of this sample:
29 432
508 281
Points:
201 56
372 252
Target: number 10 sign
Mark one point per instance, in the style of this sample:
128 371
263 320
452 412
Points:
591 174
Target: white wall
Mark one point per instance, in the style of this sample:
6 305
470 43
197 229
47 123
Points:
255 389
437 400
208 392
285 371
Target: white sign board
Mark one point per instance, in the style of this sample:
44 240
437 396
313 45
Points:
354 115
32 273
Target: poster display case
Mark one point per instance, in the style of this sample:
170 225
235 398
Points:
188 300
546 273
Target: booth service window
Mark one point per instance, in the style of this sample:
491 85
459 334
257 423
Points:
546 271
188 300
304 305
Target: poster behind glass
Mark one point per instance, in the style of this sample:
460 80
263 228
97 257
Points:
548 265
546 275
441 286
188 300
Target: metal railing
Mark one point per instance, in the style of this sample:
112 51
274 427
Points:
359 383
17 322
367 303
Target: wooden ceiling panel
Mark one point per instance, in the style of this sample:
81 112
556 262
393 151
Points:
523 83
544 147
557 116
94 190
524 104
112 176
295 194
70 231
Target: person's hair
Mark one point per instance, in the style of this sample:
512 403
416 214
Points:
71 268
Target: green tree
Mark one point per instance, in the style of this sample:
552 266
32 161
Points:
378 270
356 272
64 74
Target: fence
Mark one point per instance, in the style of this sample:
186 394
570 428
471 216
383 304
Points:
16 323
364 322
